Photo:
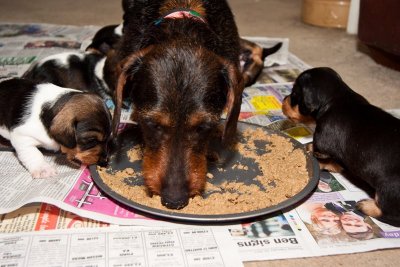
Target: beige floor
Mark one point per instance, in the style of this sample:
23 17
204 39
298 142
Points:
271 18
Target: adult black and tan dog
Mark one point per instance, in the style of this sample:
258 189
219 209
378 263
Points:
359 137
180 68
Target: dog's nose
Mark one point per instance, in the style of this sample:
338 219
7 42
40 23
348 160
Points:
103 161
176 204
76 161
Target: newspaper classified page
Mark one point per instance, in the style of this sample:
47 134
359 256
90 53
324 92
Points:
125 246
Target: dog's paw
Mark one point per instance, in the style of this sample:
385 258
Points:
369 207
330 165
45 170
310 147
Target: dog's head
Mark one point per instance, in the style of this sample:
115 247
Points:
252 57
312 94
179 92
81 124
105 39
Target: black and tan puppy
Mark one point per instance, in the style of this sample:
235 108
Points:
181 70
55 118
351 133
252 58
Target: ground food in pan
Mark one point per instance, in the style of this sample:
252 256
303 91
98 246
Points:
283 174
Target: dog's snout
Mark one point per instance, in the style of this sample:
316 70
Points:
111 146
103 162
174 201
76 161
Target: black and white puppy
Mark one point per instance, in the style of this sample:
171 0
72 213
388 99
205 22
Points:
352 134
83 71
36 115
106 39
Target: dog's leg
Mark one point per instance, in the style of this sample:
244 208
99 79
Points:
330 166
385 205
327 163
31 157
324 160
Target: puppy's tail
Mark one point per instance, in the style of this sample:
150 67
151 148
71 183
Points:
271 50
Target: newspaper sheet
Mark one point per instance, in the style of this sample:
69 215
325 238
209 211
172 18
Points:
72 190
123 246
325 223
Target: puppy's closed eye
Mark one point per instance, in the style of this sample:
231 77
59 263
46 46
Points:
153 125
88 143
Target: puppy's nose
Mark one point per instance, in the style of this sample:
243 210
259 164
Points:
112 146
176 204
76 161
103 161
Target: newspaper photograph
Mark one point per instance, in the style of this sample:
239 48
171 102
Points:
71 211
326 224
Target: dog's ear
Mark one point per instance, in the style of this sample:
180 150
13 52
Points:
59 120
318 86
130 66
235 83
309 104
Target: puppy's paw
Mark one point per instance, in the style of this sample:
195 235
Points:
369 207
45 170
310 147
330 166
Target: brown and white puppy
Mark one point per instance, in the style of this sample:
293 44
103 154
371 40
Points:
351 134
180 69
252 58
44 115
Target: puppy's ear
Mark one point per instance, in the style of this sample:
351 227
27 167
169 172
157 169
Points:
234 100
59 120
309 104
130 65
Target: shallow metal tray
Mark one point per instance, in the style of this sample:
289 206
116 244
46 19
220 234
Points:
130 137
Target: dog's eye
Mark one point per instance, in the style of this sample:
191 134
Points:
151 125
89 143
202 128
